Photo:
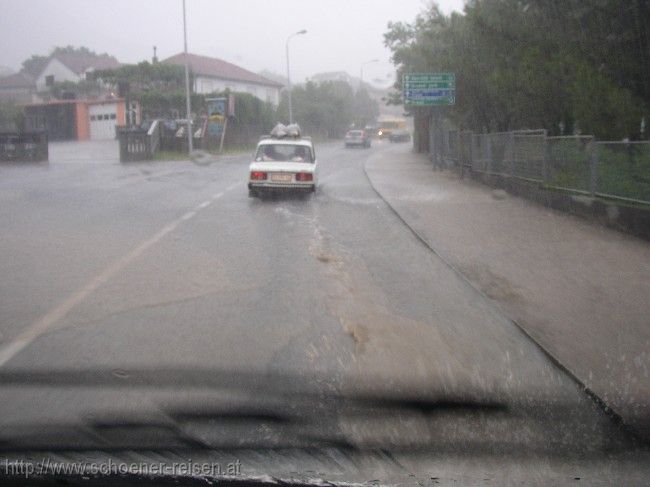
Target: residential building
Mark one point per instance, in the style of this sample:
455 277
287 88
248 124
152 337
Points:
24 87
72 66
17 88
215 75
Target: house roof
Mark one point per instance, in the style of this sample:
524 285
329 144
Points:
17 80
80 62
218 68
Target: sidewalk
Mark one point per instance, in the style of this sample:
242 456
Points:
580 290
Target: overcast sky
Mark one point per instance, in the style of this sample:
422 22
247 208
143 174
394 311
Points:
342 34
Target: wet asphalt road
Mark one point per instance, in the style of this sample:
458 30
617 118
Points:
172 265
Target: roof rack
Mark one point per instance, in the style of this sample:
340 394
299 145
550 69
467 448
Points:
281 131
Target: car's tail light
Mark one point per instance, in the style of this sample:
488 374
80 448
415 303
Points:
304 176
258 175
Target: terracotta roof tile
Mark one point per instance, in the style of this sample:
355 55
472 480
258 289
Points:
217 68
17 80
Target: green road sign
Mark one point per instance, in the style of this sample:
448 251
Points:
429 89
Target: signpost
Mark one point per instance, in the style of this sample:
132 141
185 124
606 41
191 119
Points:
434 90
219 109
429 89
216 115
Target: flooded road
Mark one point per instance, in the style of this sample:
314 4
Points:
170 265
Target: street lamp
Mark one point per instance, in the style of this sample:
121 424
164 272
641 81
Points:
300 32
362 65
188 105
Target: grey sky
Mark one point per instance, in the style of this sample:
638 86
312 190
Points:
342 34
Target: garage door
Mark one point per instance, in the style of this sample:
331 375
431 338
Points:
103 119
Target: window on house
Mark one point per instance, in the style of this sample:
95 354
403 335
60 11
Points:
49 80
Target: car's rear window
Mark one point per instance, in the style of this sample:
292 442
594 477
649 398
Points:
355 133
284 152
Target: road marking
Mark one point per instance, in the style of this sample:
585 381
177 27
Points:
37 328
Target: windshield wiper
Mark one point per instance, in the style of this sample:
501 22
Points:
208 409
261 410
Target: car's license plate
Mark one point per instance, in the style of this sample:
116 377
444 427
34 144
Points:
281 178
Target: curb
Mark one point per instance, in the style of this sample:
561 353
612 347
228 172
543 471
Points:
590 393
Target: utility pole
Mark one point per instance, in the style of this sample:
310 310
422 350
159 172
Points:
188 104
300 32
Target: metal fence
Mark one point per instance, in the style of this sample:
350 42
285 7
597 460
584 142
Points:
134 145
581 164
23 147
622 168
138 144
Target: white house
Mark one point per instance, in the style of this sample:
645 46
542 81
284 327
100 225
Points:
72 67
214 75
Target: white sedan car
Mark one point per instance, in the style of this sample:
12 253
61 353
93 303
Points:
282 164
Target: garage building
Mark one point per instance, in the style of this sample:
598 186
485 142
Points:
79 119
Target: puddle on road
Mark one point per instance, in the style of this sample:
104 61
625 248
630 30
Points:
386 344
453 352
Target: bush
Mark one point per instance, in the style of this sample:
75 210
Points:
12 118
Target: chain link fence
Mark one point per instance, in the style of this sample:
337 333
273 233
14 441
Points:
623 169
616 169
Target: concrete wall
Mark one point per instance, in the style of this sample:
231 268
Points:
83 124
121 114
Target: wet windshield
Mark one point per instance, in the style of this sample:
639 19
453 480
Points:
326 242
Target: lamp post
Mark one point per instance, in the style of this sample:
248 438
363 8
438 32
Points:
188 105
300 32
362 65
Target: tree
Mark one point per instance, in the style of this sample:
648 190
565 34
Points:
34 64
84 88
145 76
328 108
12 118
365 110
536 63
